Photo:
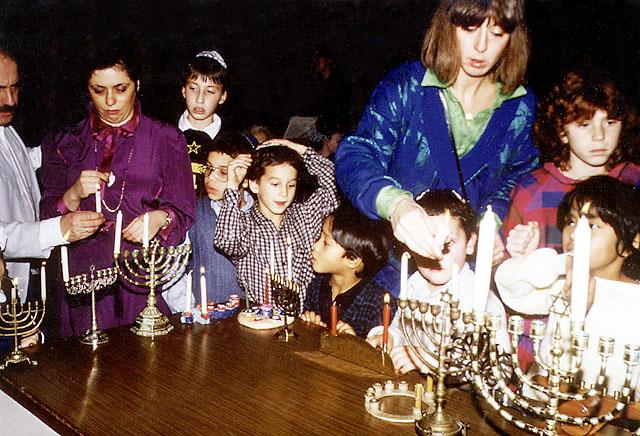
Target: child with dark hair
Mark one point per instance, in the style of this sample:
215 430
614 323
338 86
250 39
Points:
458 220
350 251
585 127
220 272
539 283
286 220
204 88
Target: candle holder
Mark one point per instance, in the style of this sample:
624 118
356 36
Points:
152 267
286 297
442 345
85 283
18 320
552 412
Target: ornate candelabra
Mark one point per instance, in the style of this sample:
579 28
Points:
439 336
92 282
286 297
19 320
551 412
152 267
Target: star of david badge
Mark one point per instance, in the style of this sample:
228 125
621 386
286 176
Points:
193 147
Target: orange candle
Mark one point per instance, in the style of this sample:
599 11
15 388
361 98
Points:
386 320
334 319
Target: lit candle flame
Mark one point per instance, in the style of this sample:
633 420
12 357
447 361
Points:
585 208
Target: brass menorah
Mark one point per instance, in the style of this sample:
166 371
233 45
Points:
439 337
286 297
550 412
92 282
151 267
20 320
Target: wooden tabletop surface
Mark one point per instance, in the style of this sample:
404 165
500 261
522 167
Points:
223 379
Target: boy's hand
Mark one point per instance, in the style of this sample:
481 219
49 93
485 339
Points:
312 317
285 143
343 327
237 170
376 341
403 359
522 240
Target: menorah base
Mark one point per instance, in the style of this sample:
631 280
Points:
285 335
151 322
17 356
441 424
94 337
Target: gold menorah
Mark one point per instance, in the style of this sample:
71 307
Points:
551 411
439 337
85 283
20 320
151 267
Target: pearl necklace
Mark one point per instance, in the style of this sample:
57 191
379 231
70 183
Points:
124 180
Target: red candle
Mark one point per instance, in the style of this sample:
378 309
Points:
386 320
334 319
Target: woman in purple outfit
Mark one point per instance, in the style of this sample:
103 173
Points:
138 165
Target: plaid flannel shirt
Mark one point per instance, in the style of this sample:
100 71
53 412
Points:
360 307
245 236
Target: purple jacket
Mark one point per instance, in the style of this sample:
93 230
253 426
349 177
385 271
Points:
155 169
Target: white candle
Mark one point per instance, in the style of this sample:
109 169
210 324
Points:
98 199
145 231
272 258
187 297
404 274
203 291
484 261
580 270
118 232
289 259
14 283
64 258
43 282
453 285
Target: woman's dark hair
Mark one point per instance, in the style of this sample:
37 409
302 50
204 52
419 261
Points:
440 52
206 68
577 98
439 201
119 54
616 203
361 237
277 155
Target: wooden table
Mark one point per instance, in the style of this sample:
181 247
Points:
222 378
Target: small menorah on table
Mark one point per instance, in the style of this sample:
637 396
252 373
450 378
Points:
443 346
20 320
92 282
286 297
151 267
551 412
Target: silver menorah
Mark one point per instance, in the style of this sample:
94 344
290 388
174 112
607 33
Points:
551 411
151 267
20 320
439 337
90 283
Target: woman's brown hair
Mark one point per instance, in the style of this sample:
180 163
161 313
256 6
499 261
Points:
440 50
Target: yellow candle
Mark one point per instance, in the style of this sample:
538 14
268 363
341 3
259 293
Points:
418 390
429 384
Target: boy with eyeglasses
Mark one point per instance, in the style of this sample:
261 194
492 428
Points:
221 274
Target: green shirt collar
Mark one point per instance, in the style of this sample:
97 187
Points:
430 79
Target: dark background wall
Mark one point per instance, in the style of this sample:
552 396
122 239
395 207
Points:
268 45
